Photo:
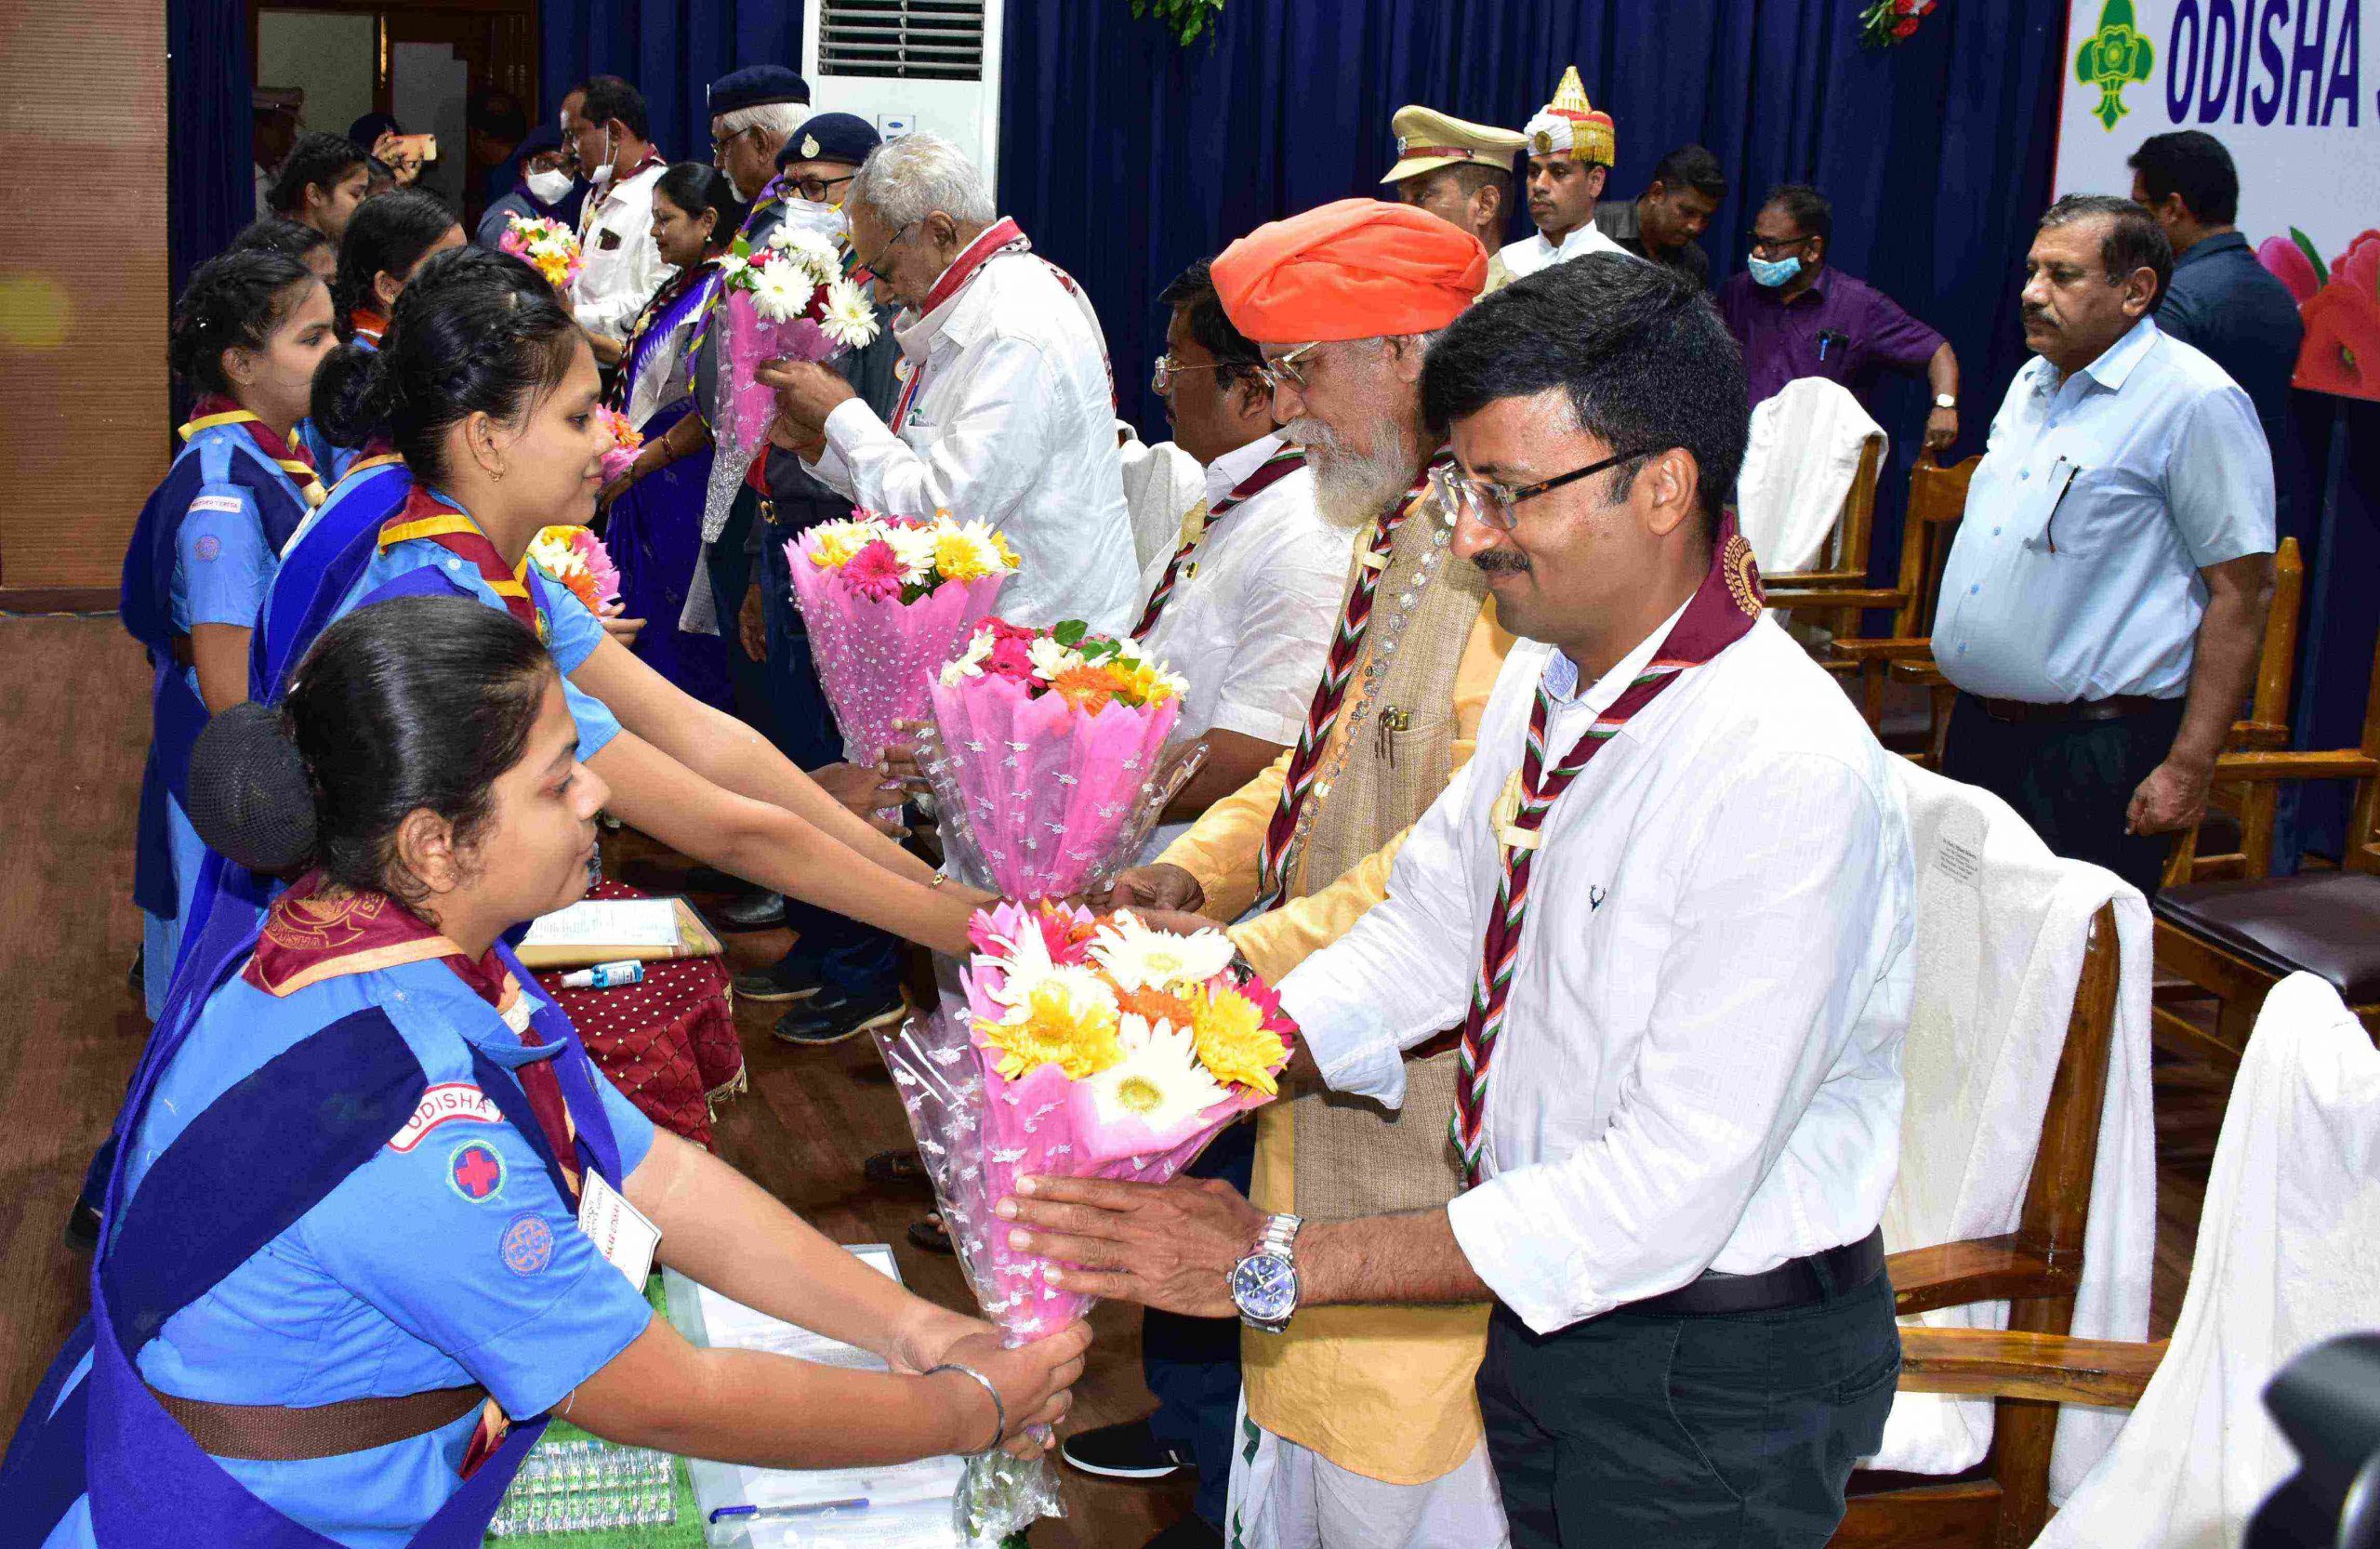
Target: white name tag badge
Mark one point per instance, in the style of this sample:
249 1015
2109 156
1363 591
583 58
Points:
618 1229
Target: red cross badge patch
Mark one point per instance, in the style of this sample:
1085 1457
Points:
475 1171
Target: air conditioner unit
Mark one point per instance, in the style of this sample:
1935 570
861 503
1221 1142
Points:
910 64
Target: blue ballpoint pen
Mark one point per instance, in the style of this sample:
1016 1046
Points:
807 1508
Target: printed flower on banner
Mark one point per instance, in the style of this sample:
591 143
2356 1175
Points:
2340 305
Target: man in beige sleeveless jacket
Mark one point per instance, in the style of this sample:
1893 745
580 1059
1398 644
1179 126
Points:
1360 1426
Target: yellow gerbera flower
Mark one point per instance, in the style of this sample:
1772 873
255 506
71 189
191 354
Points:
834 551
1076 1035
1008 555
1233 1043
960 557
1148 683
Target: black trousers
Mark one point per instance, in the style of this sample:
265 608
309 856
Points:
1730 1432
2071 779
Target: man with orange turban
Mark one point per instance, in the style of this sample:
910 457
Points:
1571 148
1360 1424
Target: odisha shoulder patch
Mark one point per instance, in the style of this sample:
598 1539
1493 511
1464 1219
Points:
218 503
527 1245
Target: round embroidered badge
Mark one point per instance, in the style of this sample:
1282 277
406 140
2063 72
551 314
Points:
475 1171
209 547
1743 576
527 1245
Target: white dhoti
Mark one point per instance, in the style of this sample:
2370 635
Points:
1285 1496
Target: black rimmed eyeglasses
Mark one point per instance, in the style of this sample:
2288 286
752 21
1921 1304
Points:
1490 504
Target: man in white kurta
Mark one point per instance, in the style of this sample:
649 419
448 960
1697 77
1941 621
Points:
1688 864
1007 405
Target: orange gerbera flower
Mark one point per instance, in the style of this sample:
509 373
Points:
1155 1006
1086 688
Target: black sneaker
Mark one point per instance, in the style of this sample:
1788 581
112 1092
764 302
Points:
756 910
779 981
830 1018
1127 1452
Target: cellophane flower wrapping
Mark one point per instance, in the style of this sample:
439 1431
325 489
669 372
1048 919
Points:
1051 755
886 601
626 441
786 299
576 558
1070 1047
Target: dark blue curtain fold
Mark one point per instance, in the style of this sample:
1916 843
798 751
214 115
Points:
671 49
211 189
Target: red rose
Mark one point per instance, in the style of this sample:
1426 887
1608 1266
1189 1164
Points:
1905 26
1906 8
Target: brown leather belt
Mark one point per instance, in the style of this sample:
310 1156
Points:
2114 708
275 1433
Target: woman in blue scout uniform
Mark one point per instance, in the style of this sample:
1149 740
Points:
387 240
488 390
346 1276
319 253
653 511
246 335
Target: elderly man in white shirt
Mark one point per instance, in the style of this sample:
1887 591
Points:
2104 603
1571 147
606 132
1007 413
1669 903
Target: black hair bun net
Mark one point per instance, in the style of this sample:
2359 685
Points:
249 798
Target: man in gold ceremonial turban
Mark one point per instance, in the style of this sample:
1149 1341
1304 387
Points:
1571 147
1360 1424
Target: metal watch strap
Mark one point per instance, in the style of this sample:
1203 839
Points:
1280 1235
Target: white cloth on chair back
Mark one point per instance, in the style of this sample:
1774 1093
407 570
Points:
1161 484
2285 1259
1798 466
2002 925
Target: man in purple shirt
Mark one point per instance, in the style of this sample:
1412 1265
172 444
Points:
1795 317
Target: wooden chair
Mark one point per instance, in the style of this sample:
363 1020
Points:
2236 840
1937 498
1854 528
2036 1269
2235 939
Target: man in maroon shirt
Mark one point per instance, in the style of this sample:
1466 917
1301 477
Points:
1795 317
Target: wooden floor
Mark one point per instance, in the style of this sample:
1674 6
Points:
73 726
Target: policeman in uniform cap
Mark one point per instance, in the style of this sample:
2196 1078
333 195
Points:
1460 172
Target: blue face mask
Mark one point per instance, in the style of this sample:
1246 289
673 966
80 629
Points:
1772 272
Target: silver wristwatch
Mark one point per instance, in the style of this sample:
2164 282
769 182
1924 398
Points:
1264 1284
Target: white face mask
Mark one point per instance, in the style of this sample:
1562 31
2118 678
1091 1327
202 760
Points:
827 220
550 187
603 173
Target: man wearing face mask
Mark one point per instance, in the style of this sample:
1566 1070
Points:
1008 411
2104 598
607 136
546 189
1571 147
1797 316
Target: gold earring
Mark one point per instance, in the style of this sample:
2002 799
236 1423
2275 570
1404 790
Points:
496 473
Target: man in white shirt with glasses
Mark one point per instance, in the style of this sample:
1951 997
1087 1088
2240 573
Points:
1669 904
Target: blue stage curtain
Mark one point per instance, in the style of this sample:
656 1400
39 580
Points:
210 182
671 49
1126 157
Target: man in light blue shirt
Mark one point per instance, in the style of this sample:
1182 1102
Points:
2104 602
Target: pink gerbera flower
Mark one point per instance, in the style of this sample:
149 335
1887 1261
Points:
875 571
1010 658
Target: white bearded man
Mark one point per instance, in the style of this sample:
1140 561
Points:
1571 148
1007 414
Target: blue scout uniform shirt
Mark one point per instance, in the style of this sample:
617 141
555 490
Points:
449 1258
572 632
2100 497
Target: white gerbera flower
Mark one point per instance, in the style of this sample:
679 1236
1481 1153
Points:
1138 958
913 547
555 557
851 319
1159 1080
1033 973
812 250
969 662
731 266
1050 658
780 292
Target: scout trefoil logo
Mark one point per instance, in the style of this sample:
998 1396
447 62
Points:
2112 58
